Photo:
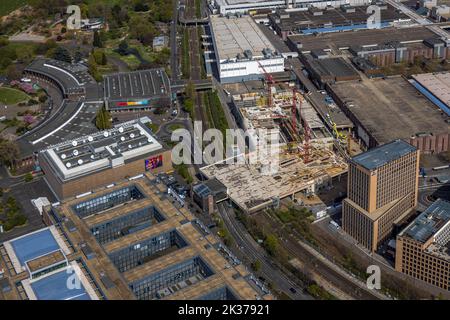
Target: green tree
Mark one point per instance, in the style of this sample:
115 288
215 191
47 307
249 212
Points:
62 54
271 244
97 40
123 48
256 265
8 152
28 177
103 119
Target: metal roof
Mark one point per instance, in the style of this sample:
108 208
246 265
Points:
430 221
384 154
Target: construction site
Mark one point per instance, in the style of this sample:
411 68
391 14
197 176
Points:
307 159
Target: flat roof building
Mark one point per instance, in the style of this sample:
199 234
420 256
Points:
344 18
422 248
85 163
41 270
248 6
144 246
137 90
241 48
337 41
382 191
401 112
436 86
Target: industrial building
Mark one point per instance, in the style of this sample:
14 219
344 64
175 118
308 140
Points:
436 87
225 7
336 42
42 265
422 248
324 70
140 244
85 163
344 18
242 50
137 90
386 109
382 191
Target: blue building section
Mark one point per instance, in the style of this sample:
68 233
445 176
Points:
55 287
34 245
431 97
343 28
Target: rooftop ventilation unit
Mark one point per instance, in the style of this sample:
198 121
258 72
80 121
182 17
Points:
248 54
267 52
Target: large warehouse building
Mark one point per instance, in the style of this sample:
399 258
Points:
243 52
383 110
247 6
138 90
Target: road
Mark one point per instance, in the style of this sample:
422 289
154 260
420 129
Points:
174 64
418 18
252 251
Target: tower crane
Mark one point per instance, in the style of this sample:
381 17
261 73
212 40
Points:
269 81
306 128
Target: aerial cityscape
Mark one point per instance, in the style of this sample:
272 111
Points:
225 150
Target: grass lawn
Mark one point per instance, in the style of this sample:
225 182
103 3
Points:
12 96
7 6
174 127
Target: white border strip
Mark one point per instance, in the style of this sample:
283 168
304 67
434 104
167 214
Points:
28 290
60 127
12 256
89 290
64 71
59 240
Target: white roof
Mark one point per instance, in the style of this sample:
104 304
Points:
235 35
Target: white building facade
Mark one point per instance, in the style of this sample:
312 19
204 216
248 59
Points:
242 51
224 7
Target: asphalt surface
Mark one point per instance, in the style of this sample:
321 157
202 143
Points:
23 192
250 250
317 265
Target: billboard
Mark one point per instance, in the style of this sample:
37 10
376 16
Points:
133 103
153 162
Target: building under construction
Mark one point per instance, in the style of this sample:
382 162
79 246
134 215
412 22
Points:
307 161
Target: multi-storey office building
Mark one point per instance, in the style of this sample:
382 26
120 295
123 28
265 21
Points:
422 249
382 190
128 241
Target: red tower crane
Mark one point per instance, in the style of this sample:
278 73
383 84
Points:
270 82
306 128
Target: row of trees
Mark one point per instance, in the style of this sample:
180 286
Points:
103 119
